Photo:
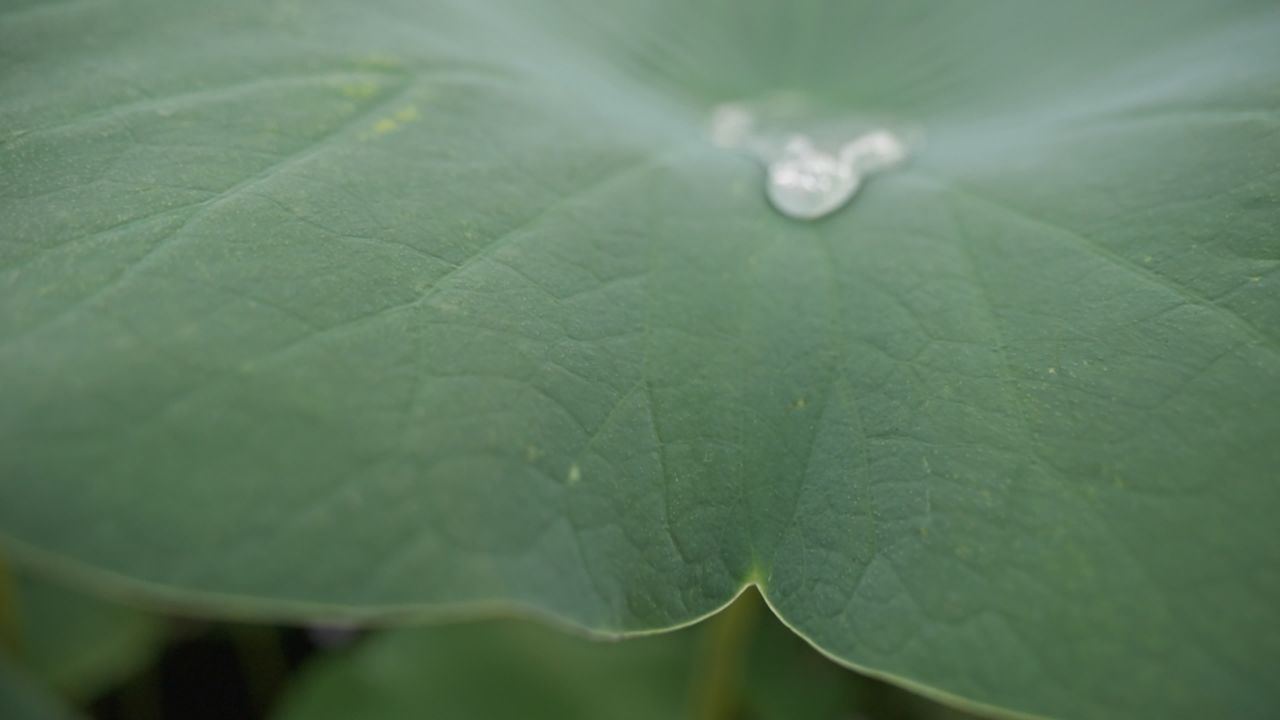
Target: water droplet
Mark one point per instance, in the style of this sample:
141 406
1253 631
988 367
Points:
805 181
873 152
808 183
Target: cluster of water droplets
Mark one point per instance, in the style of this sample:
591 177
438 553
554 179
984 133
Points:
806 181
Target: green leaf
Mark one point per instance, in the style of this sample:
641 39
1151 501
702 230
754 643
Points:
401 309
80 646
520 669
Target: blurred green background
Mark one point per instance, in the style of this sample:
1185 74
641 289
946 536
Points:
69 655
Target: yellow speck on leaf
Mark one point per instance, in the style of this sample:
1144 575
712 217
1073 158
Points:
386 125
378 62
575 473
360 90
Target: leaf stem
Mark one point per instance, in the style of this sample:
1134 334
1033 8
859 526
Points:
719 678
10 615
